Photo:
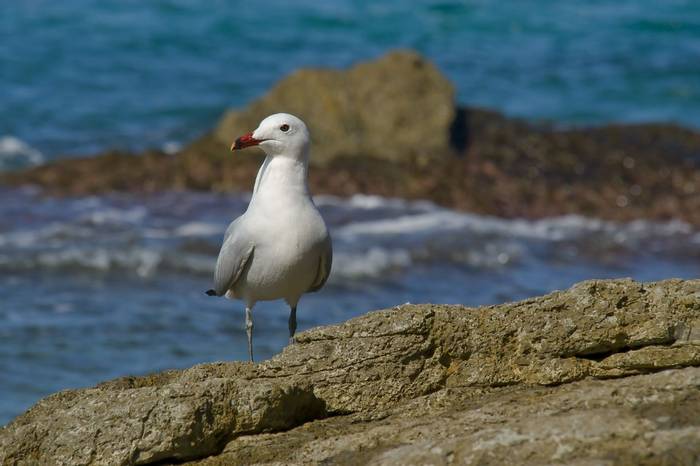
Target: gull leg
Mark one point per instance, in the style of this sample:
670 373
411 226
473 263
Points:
292 323
249 330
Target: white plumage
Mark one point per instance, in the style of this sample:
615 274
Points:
280 247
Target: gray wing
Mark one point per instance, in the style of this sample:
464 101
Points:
324 265
235 253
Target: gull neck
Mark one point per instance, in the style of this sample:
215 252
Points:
281 174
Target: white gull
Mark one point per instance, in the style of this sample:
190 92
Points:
280 247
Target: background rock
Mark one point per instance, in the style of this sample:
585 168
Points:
386 119
398 108
416 383
508 168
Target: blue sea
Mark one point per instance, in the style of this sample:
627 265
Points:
78 76
102 286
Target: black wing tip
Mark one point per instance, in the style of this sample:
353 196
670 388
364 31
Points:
211 293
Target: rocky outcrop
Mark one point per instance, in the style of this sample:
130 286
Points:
389 128
398 108
601 373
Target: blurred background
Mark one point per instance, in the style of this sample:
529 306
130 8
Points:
105 284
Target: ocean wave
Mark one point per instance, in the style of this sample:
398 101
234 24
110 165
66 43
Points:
372 263
199 229
110 216
373 237
372 202
148 263
352 261
16 154
551 229
143 262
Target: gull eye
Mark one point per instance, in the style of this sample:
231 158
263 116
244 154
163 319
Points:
284 128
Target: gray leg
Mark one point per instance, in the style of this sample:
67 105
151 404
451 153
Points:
249 330
292 324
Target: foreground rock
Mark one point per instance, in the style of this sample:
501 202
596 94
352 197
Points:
600 374
390 128
640 420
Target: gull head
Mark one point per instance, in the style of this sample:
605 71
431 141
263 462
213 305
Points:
278 134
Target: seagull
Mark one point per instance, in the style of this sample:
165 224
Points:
280 247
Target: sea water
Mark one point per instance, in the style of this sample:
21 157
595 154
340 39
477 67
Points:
102 286
79 76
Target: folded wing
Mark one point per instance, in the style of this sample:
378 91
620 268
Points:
235 253
324 265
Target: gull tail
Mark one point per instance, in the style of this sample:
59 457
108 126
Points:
211 293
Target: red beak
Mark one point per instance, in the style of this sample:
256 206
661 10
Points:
247 140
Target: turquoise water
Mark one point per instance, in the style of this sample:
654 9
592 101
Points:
77 76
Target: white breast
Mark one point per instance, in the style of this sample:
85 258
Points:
291 235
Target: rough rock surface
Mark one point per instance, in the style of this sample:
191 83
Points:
603 373
398 108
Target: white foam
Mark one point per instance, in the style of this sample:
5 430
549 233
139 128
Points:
375 236
371 202
132 215
15 153
193 229
143 261
171 147
552 228
50 234
441 220
371 263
